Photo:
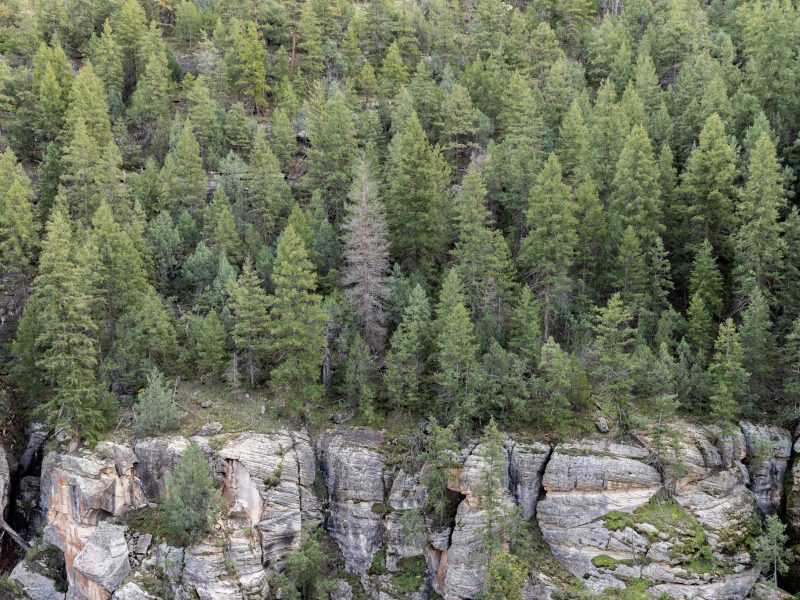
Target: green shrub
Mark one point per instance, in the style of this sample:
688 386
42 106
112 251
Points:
412 573
378 566
603 561
155 412
191 504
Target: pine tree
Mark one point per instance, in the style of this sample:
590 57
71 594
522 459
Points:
219 227
360 375
309 34
548 251
636 191
393 74
573 142
700 329
155 412
248 303
88 103
613 357
408 354
284 138
269 195
415 198
526 331
728 374
246 60
791 366
366 250
190 507
183 180
706 280
556 372
297 320
630 276
708 191
331 133
481 254
459 127
759 245
209 346
150 101
758 345
59 315
18 235
440 455
455 353
108 63
592 233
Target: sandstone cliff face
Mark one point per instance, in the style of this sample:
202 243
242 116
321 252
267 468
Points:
78 492
608 515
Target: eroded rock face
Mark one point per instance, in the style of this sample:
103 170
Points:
352 464
131 591
82 489
583 483
157 457
267 483
36 585
526 469
768 450
102 564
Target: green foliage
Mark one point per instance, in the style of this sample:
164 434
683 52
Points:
770 552
190 507
155 411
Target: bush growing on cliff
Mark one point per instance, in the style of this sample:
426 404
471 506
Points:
190 507
155 411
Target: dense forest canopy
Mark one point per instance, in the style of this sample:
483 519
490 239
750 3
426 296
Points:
525 211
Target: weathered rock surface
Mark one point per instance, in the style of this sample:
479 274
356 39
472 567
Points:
80 490
734 587
583 482
267 483
526 468
131 591
157 457
206 574
462 568
36 585
102 564
768 450
352 464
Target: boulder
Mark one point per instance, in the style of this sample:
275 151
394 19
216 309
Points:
768 450
35 584
157 457
268 484
102 564
81 489
352 465
131 591
526 467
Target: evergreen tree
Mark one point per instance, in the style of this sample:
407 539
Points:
251 325
481 254
706 280
759 243
770 552
296 324
548 251
269 195
18 235
150 101
460 126
613 357
331 133
455 353
366 249
729 376
526 331
360 374
155 412
209 346
108 63
246 60
408 354
636 191
183 180
440 453
758 345
556 370
791 366
190 507
58 318
415 196
219 227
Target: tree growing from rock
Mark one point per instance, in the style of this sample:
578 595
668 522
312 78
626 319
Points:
191 505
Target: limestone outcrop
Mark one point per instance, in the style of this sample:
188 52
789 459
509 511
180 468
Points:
102 563
157 457
768 450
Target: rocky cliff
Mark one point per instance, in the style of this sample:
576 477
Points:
667 519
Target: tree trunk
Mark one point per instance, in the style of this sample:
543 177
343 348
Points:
14 535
